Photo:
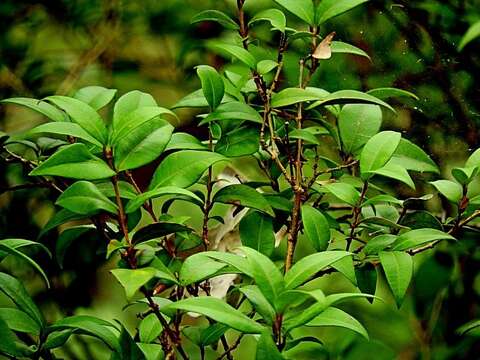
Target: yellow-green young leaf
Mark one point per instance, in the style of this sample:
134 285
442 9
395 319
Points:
474 159
266 348
274 16
412 157
328 9
219 311
339 47
377 151
338 318
385 93
398 268
265 66
472 33
417 237
83 114
256 231
308 266
450 189
243 195
343 191
357 123
20 321
349 97
216 16
39 106
304 9
129 102
75 162
199 267
84 198
95 96
260 303
212 85
237 52
65 128
149 328
316 227
133 279
183 168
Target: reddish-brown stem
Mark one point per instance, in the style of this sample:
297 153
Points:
356 215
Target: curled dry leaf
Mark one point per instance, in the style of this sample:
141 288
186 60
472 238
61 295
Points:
323 50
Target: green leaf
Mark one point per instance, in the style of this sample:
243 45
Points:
304 134
95 96
382 198
60 217
237 52
357 123
39 106
290 96
76 162
344 192
198 267
378 243
57 339
9 345
265 66
196 99
89 325
398 268
233 110
212 85
183 168
259 301
140 199
377 151
128 348
473 159
142 145
417 237
18 320
129 102
212 334
242 141
267 276
302 8
394 171
385 93
236 261
266 348
21 243
216 16
339 47
412 157
450 189
149 328
346 268
349 97
367 278
465 175
83 114
316 227
84 198
219 311
133 279
184 141
65 128
157 230
243 195
256 231
308 266
465 328
338 318
274 16
66 238
328 9
14 290
472 33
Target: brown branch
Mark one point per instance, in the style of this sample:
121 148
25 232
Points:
356 216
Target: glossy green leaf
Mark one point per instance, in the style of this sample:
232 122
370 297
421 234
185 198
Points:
339 47
65 128
234 260
316 227
343 191
198 267
239 142
84 198
308 266
39 106
20 321
367 279
346 268
417 237
9 345
349 97
133 279
465 175
196 99
472 33
216 16
290 96
140 199
259 301
212 85
157 230
385 93
21 243
338 318
379 243
243 195
217 310
238 53
465 328
274 16
83 114
305 135
398 268
95 96
412 157
256 231
382 198
377 151
265 66
183 168
149 328
184 141
76 162
266 348
394 171
66 238
233 110
473 159
328 9
129 102
450 189
302 8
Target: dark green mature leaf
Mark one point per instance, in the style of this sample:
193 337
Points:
385 93
412 157
57 338
465 175
89 325
357 123
14 290
396 172
343 191
95 96
157 230
239 142
129 349
328 9
274 16
339 47
266 348
377 151
349 97
60 217
308 266
398 268
302 8
76 162
217 16
243 195
237 52
183 168
338 318
129 102
66 238
39 106
256 231
450 189
316 227
212 85
83 197
9 345
198 267
367 278
184 141
196 99
21 243
472 33
465 328
219 311
305 135
259 301
382 198
417 237
83 114
140 199
233 110
20 321
378 243
290 96
133 279
65 128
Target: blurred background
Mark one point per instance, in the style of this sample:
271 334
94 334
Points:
59 46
